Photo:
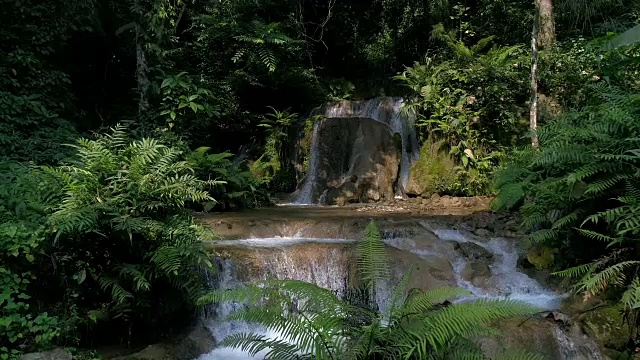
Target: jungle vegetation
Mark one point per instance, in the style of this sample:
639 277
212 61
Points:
119 119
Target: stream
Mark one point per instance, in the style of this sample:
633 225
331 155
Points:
442 257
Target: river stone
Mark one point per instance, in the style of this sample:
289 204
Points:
55 354
473 251
428 272
477 273
483 233
532 335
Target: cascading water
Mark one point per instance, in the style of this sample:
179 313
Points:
513 284
308 188
328 263
385 110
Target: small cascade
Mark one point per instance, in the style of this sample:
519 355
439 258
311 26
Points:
574 345
305 197
387 111
329 263
509 282
324 262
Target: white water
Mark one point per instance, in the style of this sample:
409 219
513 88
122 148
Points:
387 110
280 241
305 197
328 271
512 284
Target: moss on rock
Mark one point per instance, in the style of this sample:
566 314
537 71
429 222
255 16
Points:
607 326
433 173
541 257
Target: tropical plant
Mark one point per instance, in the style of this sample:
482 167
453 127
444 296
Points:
123 227
313 323
26 197
272 166
469 104
182 98
236 186
581 188
260 41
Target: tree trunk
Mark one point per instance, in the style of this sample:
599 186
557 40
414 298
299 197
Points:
141 72
547 24
533 110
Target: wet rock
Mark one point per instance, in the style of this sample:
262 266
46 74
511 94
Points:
359 149
346 193
523 263
474 251
557 316
197 342
540 256
477 273
55 354
484 233
428 272
532 335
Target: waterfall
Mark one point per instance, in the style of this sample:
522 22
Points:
329 262
308 188
386 110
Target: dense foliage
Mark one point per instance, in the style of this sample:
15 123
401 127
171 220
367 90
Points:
101 247
313 323
579 192
97 239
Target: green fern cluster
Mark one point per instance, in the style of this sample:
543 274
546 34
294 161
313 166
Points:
580 191
261 42
236 187
313 323
123 231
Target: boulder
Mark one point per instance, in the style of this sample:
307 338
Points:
357 149
478 274
607 326
433 172
346 193
532 335
473 251
55 354
481 232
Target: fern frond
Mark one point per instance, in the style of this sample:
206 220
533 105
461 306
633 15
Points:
612 275
373 263
439 328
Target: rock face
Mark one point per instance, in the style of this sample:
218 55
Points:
359 162
360 151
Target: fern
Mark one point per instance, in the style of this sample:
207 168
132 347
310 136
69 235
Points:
373 263
124 216
579 191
